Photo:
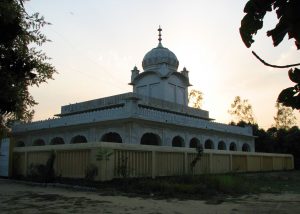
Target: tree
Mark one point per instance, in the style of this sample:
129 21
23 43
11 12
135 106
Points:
21 63
284 118
288 15
263 140
195 98
241 110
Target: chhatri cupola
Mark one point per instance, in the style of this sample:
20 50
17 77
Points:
160 78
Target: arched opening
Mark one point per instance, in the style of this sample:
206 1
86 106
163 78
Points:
150 139
20 144
178 142
209 144
79 139
57 141
232 146
111 137
221 145
246 147
194 143
38 142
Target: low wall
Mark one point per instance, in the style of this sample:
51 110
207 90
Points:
115 160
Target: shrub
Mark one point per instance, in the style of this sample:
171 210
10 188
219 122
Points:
91 172
43 173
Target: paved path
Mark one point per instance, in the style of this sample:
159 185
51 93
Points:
22 198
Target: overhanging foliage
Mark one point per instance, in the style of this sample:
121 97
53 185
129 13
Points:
21 63
288 15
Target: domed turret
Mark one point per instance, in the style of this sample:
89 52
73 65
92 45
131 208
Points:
160 78
160 55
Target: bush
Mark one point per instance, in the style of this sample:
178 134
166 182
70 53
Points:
91 172
41 172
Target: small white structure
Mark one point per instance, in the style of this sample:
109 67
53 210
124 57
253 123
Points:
155 113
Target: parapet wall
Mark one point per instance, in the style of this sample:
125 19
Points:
121 99
130 110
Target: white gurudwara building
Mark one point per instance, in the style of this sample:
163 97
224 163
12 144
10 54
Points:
155 113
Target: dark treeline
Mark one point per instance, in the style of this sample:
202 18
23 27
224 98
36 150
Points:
275 140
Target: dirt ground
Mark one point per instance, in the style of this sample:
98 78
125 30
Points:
16 197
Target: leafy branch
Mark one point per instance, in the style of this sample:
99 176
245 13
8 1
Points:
288 16
274 66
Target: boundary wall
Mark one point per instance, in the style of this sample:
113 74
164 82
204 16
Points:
114 160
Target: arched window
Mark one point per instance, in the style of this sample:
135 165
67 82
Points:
178 142
246 147
79 139
209 144
150 139
38 142
232 146
57 141
194 143
221 145
111 137
20 144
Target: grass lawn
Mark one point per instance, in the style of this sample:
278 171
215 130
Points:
198 187
204 186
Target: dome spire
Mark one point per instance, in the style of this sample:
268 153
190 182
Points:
159 36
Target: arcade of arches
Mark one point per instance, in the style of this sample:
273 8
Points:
146 139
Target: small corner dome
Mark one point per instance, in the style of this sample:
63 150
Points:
160 55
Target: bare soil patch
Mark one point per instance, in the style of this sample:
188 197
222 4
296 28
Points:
279 193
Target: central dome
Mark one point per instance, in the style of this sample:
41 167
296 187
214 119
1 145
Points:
160 55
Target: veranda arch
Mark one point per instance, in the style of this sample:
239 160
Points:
39 142
79 139
112 137
195 143
178 141
57 141
209 144
221 145
150 139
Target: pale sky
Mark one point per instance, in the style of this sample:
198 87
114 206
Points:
96 43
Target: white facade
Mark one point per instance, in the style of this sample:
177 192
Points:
155 113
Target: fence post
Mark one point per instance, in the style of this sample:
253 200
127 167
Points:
186 167
211 162
230 162
247 162
25 163
153 164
